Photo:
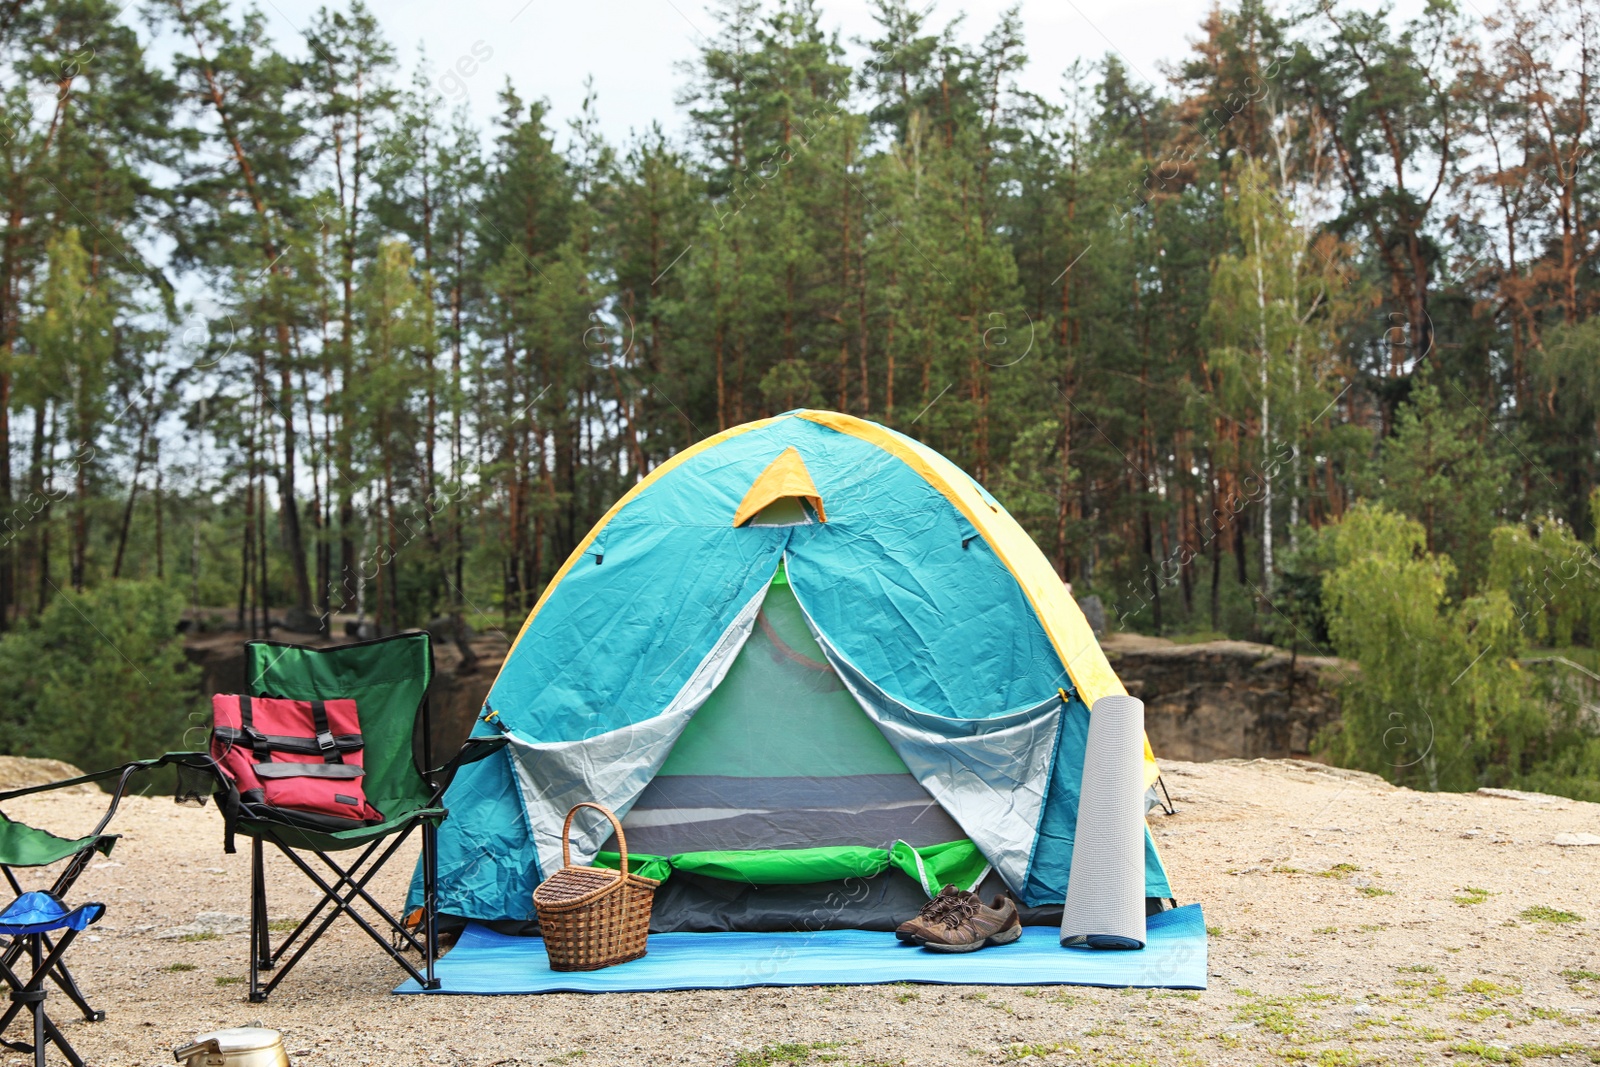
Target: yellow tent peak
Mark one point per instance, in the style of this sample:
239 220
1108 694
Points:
784 476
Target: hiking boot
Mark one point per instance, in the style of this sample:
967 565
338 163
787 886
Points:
916 930
967 925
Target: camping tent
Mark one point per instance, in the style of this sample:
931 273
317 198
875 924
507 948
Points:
818 670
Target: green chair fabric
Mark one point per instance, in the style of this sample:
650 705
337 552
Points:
338 841
22 845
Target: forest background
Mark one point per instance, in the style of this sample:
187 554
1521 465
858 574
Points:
1298 346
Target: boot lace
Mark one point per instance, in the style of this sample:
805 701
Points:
935 908
960 910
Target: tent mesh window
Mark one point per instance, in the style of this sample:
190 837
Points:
782 757
785 511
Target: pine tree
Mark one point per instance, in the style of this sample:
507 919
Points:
1437 469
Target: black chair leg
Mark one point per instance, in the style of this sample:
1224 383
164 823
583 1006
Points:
55 1035
35 949
38 1031
260 936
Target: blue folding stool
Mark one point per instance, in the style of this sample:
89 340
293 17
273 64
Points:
27 920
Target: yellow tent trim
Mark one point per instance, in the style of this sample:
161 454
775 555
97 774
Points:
643 484
1060 615
784 476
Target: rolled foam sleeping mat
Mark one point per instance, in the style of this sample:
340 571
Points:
1105 906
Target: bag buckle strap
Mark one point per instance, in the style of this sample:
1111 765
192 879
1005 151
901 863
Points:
325 741
247 725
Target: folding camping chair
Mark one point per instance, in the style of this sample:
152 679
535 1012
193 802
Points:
28 921
388 678
22 845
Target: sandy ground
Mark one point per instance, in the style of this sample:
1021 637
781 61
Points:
1352 923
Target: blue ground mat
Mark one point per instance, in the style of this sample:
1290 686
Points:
1174 957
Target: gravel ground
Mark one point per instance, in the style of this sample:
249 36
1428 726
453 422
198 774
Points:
1351 923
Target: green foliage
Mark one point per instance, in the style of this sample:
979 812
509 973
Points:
1280 1014
1340 871
1021 1050
1565 372
1571 765
1541 913
1552 578
788 385
1299 620
785 1052
1275 308
98 677
1436 468
1439 698
71 336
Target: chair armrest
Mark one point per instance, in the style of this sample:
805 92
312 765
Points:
122 773
472 750
124 770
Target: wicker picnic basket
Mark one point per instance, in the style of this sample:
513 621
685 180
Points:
593 917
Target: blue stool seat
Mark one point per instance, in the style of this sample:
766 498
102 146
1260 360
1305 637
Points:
40 913
27 920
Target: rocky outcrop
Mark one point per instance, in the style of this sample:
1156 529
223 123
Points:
1227 699
21 772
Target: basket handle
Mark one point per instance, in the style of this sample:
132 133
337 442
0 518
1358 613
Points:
566 835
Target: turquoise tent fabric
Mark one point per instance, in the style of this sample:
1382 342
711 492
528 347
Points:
895 582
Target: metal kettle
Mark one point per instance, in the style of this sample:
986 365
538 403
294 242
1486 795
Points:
242 1046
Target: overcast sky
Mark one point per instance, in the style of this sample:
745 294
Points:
632 47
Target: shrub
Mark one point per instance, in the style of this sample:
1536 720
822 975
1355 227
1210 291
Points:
1551 577
1439 697
1440 700
97 678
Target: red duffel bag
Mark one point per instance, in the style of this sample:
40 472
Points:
296 761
